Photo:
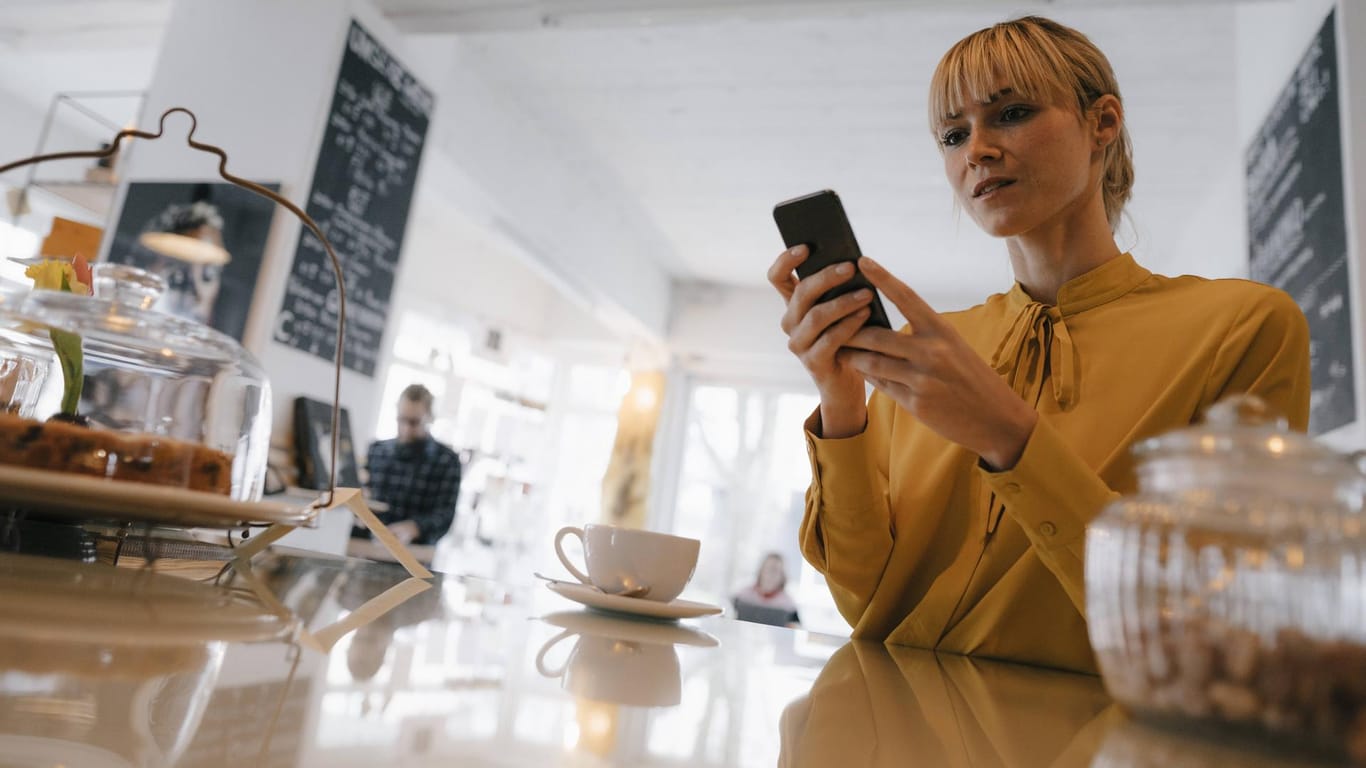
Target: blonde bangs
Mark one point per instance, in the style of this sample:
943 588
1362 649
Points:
1039 59
1007 55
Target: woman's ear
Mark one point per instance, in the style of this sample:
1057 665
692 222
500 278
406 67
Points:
1106 120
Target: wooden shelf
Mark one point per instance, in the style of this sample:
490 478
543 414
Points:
95 197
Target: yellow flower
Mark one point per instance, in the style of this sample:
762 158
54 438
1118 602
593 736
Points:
51 275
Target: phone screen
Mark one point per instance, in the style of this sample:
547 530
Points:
818 221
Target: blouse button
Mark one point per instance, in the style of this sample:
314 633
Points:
1048 529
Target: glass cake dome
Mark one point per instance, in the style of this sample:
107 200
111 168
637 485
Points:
162 400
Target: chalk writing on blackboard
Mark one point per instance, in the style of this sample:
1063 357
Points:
1297 230
362 190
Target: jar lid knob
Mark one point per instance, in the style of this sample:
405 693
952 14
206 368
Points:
126 284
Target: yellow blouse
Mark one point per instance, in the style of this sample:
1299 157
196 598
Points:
922 546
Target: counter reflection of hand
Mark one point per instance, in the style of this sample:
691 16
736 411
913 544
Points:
404 530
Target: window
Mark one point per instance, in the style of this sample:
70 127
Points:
742 488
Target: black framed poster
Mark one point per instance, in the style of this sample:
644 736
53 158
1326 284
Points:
362 190
215 291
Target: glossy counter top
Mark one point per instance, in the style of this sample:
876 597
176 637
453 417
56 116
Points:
303 661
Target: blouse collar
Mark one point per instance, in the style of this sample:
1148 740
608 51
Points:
1038 340
1101 285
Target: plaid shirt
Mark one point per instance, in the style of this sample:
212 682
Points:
419 483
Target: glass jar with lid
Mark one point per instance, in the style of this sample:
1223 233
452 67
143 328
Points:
165 401
1231 588
24 361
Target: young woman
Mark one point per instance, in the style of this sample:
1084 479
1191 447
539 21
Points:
949 510
769 591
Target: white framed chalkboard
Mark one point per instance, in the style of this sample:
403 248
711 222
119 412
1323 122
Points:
1297 226
362 190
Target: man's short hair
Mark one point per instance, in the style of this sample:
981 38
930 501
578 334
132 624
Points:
417 393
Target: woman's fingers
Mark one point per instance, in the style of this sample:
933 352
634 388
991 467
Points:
923 354
780 273
894 389
920 315
821 319
878 365
828 344
805 298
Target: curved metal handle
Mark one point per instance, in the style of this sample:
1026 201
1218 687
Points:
250 186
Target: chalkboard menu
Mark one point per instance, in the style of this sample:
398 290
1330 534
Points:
362 188
1297 228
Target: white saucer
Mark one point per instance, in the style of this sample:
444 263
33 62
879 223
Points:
634 606
604 625
97 498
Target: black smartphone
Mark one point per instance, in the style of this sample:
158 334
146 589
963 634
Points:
818 222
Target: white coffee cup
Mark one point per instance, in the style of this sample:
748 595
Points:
626 559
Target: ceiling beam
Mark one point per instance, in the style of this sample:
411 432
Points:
445 17
84 38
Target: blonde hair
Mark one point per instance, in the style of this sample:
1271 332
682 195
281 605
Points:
1039 59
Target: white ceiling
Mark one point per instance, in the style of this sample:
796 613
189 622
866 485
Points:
708 113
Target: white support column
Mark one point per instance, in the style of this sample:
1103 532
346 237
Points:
259 75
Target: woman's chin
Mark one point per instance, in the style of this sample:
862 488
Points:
1004 228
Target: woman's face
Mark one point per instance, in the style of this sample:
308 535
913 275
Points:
771 575
1016 164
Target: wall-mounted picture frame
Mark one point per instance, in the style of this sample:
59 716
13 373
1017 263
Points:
207 239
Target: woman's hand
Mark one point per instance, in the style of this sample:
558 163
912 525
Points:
815 333
932 372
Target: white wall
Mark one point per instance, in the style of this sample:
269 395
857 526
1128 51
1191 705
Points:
259 75
732 332
1271 39
19 134
542 191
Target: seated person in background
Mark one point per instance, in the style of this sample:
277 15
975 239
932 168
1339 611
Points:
767 601
415 475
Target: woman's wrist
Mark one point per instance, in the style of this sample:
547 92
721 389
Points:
843 414
1011 440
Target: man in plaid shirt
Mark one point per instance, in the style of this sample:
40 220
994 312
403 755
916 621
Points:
415 475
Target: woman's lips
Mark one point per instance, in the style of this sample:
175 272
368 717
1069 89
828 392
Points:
987 186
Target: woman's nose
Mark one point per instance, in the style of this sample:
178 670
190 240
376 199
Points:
982 147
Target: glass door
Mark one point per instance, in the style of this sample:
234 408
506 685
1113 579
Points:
741 490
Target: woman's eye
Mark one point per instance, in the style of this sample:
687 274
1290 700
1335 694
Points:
1014 113
952 137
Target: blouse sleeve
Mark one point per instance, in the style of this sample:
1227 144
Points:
1266 353
846 532
1053 493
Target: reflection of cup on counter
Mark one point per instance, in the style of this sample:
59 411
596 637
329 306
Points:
617 671
626 560
620 661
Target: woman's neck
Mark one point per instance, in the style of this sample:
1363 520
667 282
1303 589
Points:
1048 256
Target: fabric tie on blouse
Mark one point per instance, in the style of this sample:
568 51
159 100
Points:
1037 344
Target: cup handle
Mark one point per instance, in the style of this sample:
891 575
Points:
540 657
559 551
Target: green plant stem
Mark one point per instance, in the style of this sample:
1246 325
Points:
72 360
